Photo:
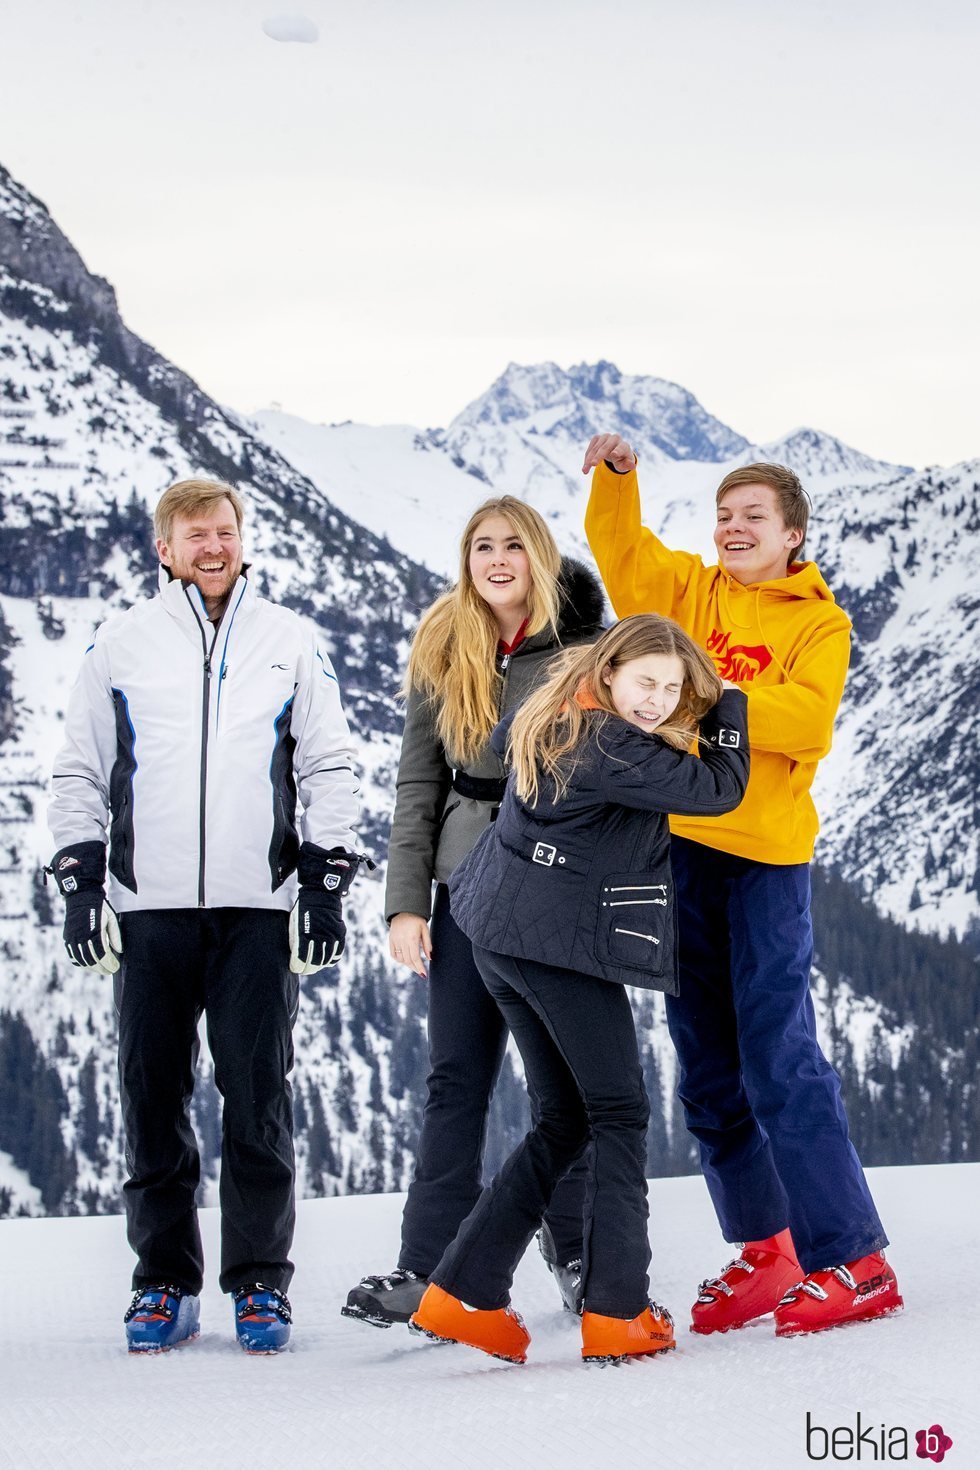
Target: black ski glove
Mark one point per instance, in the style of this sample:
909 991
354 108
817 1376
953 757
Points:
317 932
91 931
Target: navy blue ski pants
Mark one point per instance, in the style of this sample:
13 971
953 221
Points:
758 1094
578 1041
467 1040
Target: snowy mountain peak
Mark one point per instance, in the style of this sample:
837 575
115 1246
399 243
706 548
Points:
811 453
597 380
520 391
568 406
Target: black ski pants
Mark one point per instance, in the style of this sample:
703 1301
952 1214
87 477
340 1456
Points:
467 1041
578 1040
232 964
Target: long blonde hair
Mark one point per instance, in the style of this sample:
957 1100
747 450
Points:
551 723
453 657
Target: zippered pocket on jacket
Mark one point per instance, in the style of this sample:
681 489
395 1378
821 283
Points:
444 818
636 895
120 844
635 926
635 934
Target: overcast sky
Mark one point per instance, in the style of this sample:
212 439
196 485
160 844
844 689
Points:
774 204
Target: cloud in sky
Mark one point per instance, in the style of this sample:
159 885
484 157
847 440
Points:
769 204
290 28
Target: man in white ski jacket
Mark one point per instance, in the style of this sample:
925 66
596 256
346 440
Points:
200 720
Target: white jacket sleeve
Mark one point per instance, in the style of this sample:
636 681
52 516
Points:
79 810
323 759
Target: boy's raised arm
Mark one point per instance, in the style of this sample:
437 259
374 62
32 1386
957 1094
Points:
640 573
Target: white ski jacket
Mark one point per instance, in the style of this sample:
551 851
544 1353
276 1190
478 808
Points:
190 744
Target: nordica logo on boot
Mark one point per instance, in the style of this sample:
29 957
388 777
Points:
873 1442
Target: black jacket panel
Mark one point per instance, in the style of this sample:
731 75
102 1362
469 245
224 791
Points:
584 882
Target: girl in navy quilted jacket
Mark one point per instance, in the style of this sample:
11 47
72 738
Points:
567 899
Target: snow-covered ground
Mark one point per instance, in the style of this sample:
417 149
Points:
347 1395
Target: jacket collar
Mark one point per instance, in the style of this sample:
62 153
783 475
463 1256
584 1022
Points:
183 600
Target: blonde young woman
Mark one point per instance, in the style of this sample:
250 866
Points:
479 651
566 901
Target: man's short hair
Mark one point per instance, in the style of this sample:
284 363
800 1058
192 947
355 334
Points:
190 498
794 503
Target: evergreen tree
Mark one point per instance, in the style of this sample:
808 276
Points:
344 1100
321 1157
89 1119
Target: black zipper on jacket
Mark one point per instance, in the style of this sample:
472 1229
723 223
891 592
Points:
504 661
205 721
502 667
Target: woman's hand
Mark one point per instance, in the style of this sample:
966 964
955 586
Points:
611 447
409 942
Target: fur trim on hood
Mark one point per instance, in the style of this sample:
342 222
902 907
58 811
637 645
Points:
582 601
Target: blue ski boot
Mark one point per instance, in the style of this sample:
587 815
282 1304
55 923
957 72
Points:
160 1318
262 1318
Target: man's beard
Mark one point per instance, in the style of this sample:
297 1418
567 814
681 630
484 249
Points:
208 586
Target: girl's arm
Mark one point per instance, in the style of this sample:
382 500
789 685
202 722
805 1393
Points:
423 783
640 771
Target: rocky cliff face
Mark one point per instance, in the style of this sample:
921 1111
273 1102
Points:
34 249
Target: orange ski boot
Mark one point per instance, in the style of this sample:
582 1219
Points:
500 1333
614 1339
857 1292
751 1286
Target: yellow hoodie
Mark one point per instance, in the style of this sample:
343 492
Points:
785 642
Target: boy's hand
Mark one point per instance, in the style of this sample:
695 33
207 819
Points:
611 447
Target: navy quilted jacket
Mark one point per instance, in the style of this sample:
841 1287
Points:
584 883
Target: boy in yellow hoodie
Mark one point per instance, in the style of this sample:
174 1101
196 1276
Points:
758 1093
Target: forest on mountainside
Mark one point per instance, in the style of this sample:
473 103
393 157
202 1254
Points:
925 1111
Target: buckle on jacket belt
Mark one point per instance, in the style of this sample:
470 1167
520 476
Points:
544 854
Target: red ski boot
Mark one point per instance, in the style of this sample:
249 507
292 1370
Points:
856 1292
750 1286
500 1333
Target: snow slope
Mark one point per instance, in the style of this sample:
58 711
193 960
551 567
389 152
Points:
347 1395
392 479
